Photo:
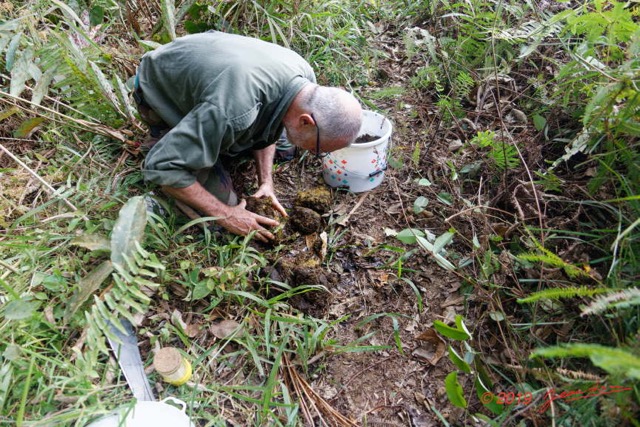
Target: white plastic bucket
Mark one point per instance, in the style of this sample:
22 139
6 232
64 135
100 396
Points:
360 167
147 414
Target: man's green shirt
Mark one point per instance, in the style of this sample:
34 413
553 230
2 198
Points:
221 94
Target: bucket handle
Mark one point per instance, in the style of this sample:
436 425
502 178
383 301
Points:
175 401
378 172
369 175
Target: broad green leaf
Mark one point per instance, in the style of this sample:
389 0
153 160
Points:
12 352
10 27
476 242
449 331
408 235
615 361
34 71
459 361
497 316
27 127
201 290
424 243
442 241
42 86
11 52
461 326
472 169
68 11
88 286
20 73
96 15
6 377
446 198
443 262
539 122
419 204
487 398
128 229
93 242
8 113
454 390
20 309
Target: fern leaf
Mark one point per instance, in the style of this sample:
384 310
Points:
617 300
505 156
615 361
559 293
11 52
128 230
549 258
106 87
20 73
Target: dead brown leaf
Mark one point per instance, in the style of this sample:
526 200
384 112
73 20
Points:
431 347
226 328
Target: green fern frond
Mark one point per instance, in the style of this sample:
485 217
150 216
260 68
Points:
530 31
548 258
560 293
128 296
464 83
617 300
505 156
615 361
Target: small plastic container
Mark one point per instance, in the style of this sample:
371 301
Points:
172 367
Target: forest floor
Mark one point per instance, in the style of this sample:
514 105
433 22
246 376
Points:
404 384
383 293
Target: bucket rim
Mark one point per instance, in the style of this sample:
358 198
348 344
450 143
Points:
381 139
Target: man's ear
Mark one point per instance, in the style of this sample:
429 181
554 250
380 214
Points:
306 119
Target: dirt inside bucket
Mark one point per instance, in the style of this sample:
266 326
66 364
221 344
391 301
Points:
366 138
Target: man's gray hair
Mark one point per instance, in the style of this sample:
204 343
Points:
337 112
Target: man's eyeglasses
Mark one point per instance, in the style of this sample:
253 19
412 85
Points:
319 155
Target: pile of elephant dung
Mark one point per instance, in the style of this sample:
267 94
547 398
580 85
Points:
302 263
305 269
305 217
308 208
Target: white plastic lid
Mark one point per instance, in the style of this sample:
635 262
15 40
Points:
146 414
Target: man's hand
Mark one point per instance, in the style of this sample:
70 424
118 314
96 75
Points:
264 164
266 190
242 222
235 219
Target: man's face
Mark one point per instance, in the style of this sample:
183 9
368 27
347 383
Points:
300 139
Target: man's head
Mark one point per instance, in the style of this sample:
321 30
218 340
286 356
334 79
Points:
324 117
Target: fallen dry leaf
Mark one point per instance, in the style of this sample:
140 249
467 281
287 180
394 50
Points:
226 328
431 347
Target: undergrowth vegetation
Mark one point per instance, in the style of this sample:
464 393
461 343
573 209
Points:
539 194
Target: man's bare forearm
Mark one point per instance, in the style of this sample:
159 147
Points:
264 164
235 219
198 198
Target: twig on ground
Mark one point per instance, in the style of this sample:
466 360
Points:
307 394
343 221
